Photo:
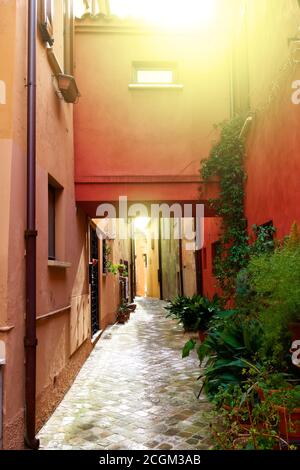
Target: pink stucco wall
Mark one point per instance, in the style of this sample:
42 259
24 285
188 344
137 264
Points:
55 287
121 134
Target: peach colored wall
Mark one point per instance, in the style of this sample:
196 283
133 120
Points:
212 231
122 132
55 287
141 270
109 283
153 288
188 271
13 219
273 164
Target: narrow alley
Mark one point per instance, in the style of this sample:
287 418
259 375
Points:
134 391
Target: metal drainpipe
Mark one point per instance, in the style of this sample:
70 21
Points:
31 235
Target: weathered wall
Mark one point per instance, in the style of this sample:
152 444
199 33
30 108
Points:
146 242
272 145
125 134
169 260
109 283
12 218
273 164
55 287
141 249
212 232
153 288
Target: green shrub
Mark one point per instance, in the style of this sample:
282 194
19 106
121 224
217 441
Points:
275 280
231 348
193 313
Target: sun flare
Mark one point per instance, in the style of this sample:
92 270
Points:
167 13
174 14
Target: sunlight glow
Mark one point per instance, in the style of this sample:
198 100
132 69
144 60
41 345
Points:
175 14
154 76
140 223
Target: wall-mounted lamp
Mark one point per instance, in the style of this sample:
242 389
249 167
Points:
246 127
47 32
68 88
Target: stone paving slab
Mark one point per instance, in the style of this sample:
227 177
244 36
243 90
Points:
134 391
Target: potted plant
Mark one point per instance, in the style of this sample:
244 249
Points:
131 307
275 280
121 268
287 404
193 313
123 313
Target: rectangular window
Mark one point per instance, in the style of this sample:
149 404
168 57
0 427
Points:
51 221
154 76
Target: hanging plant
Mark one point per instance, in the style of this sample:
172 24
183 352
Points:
226 161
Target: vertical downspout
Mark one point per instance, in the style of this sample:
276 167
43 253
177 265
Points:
30 235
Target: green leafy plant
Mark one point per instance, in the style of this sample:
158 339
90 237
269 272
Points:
245 422
226 161
230 348
287 397
123 313
261 242
194 312
275 280
117 268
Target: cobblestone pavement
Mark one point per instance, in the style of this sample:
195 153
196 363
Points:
134 391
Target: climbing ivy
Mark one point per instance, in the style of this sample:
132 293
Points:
226 161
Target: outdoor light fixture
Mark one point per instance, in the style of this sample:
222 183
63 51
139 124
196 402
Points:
47 32
68 88
246 127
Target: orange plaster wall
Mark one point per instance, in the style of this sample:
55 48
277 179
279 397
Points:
109 283
141 270
211 234
12 304
272 163
55 288
121 132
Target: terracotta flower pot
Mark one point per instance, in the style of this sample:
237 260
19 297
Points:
202 334
262 395
131 307
123 316
237 412
122 319
289 422
295 330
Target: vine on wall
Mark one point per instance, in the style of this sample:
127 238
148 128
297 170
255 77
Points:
226 161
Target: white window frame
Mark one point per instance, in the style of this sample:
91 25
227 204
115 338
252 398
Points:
154 66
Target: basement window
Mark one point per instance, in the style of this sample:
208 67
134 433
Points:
155 75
